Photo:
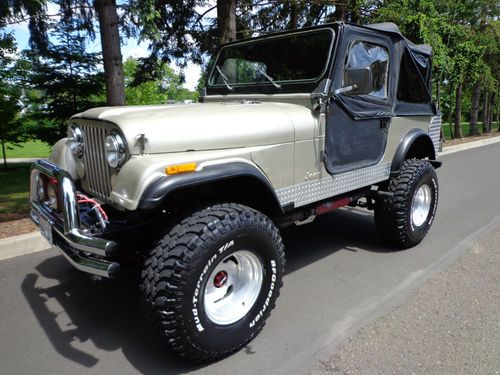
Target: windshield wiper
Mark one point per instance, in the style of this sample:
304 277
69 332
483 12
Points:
224 78
269 78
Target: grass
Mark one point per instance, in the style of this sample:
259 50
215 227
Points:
14 191
466 128
31 149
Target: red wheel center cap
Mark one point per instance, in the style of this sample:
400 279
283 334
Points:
220 279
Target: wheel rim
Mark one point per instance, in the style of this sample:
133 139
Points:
233 287
421 205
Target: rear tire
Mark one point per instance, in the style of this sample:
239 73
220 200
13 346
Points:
212 281
404 217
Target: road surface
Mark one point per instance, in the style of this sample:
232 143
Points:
55 320
449 325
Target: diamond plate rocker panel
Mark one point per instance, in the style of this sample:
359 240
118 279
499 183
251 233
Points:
313 191
434 132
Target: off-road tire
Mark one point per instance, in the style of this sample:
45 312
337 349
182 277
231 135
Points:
393 218
176 274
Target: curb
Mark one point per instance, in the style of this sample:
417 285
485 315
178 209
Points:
23 160
33 242
23 244
469 145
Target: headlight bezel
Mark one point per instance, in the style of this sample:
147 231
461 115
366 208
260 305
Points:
77 145
115 149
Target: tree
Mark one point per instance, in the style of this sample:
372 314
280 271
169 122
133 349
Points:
168 87
490 39
474 110
226 21
65 79
111 51
456 31
35 11
11 129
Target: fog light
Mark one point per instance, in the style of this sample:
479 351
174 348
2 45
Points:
76 141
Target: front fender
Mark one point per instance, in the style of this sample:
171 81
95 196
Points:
62 157
160 189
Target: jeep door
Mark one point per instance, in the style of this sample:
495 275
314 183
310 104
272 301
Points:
359 114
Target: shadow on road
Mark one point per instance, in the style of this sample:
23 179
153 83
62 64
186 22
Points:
105 312
350 229
108 312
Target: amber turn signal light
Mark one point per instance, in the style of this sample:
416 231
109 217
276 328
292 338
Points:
180 168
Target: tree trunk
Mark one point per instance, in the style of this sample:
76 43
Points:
111 51
438 94
294 15
458 112
354 12
438 107
4 155
339 13
474 108
497 106
498 118
486 112
491 113
226 21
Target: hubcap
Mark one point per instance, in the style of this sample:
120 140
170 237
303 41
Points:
421 205
233 287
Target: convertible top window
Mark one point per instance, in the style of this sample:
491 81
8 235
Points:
375 57
289 58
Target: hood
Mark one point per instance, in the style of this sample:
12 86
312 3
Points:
201 126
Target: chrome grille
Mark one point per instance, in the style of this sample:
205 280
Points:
97 171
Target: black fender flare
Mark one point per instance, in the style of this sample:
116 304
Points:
413 136
160 188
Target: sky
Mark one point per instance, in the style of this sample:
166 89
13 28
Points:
131 48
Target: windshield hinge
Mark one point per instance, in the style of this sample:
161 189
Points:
322 101
321 96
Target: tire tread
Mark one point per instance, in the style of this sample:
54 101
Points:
169 266
391 212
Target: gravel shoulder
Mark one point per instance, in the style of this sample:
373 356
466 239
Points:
449 325
16 227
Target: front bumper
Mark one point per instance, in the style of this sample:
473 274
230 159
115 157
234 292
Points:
85 252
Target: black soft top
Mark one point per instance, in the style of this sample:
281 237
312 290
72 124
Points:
410 73
390 27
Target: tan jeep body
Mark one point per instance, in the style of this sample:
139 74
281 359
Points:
291 126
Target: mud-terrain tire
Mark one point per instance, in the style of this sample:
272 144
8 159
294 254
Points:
405 215
210 283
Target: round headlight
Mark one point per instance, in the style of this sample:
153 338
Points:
76 141
115 150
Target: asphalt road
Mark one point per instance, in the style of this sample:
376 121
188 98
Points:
449 325
55 320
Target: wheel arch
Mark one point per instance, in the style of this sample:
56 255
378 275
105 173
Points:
237 182
415 144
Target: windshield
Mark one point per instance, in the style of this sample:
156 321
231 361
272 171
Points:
273 61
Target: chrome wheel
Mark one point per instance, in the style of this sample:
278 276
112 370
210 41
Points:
421 205
233 287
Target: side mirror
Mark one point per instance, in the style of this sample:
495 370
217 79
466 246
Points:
358 81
